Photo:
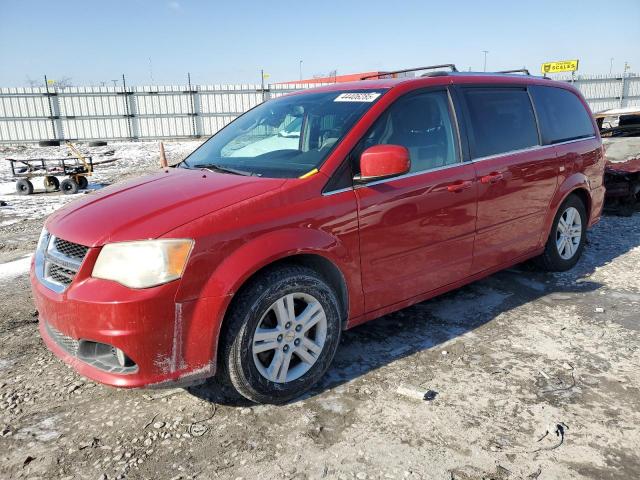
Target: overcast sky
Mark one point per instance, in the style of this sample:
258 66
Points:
224 42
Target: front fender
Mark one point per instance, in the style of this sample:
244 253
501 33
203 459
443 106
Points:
229 274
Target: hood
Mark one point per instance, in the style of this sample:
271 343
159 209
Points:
150 206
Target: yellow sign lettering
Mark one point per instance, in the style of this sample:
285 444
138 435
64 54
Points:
560 66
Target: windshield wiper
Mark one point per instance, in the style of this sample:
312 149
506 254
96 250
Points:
219 168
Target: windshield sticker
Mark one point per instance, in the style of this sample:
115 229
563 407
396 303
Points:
357 97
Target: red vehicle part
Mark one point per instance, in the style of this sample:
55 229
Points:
384 161
381 246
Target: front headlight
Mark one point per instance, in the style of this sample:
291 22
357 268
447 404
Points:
143 264
44 236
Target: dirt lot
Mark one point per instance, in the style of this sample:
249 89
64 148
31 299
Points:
535 376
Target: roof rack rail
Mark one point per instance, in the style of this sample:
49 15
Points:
517 70
406 70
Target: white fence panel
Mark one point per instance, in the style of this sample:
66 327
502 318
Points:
188 111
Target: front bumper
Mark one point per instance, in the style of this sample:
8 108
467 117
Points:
170 343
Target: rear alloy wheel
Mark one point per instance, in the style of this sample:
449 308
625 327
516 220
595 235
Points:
69 186
567 238
282 334
569 233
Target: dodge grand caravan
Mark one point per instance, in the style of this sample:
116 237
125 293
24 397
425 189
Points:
312 213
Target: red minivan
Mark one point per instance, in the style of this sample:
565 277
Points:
312 213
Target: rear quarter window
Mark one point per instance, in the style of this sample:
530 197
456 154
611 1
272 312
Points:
501 119
561 114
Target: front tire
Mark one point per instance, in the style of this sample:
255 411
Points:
567 238
282 334
24 187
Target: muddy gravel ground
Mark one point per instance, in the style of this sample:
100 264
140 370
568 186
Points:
526 374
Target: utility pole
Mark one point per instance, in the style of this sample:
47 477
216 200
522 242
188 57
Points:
151 70
484 68
300 65
115 83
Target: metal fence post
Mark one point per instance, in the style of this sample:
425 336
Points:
622 89
127 108
54 112
197 109
192 103
133 114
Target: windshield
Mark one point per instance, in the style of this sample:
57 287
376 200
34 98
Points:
285 137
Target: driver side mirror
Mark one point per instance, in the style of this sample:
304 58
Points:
383 161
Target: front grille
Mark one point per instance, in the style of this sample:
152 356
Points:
68 344
70 249
61 275
58 261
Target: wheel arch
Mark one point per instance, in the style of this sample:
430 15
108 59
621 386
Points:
584 195
228 272
577 184
317 262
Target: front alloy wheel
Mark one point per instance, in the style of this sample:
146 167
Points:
281 334
289 337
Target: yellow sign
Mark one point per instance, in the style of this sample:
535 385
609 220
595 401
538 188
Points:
561 66
266 75
51 82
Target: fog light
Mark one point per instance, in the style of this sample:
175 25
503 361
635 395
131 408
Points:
122 359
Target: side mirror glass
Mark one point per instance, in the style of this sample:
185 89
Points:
383 161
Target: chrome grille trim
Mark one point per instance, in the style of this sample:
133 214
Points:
70 249
58 261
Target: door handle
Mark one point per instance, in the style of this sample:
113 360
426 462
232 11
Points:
493 177
459 186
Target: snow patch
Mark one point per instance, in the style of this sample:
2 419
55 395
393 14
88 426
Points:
17 267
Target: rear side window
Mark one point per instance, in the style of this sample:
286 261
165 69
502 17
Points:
502 120
561 114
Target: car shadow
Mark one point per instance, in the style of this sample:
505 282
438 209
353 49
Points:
434 322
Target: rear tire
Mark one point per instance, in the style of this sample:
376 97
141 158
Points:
567 237
49 143
51 183
82 182
97 143
69 186
24 187
282 333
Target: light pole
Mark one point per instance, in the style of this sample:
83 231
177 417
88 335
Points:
151 70
610 66
300 66
484 68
